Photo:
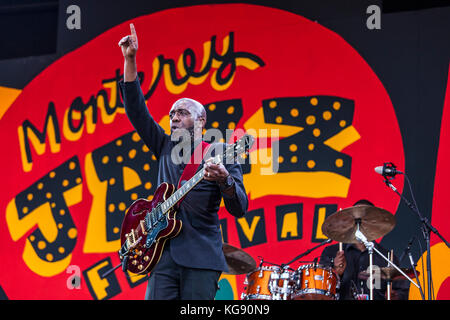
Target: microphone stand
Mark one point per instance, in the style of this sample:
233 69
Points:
427 228
413 265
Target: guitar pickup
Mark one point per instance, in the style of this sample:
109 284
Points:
144 231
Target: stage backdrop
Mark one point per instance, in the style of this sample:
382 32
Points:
72 163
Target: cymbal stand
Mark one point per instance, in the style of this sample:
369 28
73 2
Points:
370 248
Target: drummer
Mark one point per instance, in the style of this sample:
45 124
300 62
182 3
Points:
352 262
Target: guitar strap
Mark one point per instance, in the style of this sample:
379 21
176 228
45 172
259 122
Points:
191 168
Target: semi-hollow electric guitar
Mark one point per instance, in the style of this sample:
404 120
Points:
148 224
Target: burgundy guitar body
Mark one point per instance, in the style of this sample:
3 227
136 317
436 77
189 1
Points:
145 229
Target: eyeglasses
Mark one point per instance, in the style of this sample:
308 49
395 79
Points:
180 112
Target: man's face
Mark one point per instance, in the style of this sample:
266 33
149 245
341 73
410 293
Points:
182 116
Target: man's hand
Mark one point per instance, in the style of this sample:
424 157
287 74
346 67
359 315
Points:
129 44
340 263
215 172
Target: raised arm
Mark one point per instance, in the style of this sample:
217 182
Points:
133 99
129 46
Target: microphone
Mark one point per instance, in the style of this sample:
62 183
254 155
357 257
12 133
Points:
408 248
388 169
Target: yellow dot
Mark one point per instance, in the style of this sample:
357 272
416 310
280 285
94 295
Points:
49 257
294 112
212 107
294 159
222 140
231 125
119 143
311 146
153 157
272 104
316 132
53 205
314 101
134 196
122 206
293 147
310 120
145 148
72 233
105 159
78 180
148 186
326 115
65 183
146 167
116 230
60 225
132 154
111 207
339 163
150 197
52 174
48 195
40 185
72 165
62 212
32 238
204 131
41 245
311 164
230 109
215 124
135 137
342 123
112 181
336 105
278 119
61 250
280 159
119 159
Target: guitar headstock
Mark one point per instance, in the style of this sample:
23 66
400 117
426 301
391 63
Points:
242 146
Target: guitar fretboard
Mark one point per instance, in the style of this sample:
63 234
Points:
182 191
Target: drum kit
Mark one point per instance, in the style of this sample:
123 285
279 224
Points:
313 281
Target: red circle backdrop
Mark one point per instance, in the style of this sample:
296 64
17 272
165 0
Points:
301 59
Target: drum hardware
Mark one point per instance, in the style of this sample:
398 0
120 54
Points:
364 224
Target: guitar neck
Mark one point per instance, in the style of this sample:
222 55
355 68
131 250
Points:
184 189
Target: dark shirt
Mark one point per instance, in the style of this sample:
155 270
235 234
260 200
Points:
199 244
358 261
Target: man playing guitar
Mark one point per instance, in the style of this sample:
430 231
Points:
192 262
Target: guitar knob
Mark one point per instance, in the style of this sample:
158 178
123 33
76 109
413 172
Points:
146 258
134 262
140 267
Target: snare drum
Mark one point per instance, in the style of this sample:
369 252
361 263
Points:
315 282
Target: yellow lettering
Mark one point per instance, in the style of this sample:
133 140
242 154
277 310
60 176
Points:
98 284
249 231
290 223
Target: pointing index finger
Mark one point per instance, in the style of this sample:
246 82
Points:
133 31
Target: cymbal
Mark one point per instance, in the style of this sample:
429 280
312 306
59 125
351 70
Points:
238 261
374 223
390 273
